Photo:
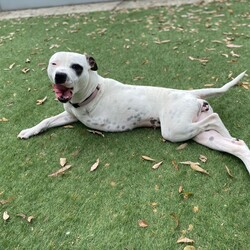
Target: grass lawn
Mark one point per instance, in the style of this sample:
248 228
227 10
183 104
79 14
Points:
178 47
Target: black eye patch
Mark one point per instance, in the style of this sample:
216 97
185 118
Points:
77 68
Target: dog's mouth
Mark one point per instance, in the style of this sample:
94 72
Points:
63 94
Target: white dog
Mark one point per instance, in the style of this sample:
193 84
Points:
108 105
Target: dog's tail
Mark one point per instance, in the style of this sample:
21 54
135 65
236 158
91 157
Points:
209 92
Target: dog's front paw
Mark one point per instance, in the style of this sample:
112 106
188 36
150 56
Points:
26 133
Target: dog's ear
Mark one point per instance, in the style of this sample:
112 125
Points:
92 63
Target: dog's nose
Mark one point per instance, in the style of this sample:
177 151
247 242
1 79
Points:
60 78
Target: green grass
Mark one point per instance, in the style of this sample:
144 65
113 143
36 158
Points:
101 209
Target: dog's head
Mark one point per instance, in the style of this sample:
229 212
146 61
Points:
68 72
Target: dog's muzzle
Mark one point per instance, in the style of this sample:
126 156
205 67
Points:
63 93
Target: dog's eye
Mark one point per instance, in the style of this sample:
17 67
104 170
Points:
53 64
77 68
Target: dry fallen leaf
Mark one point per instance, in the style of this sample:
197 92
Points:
95 132
182 146
162 42
142 223
176 219
63 162
195 209
28 218
95 165
4 119
25 70
41 101
234 54
175 165
186 195
60 171
234 46
147 158
11 66
2 202
209 85
68 126
6 216
197 168
203 158
180 189
245 85
185 240
201 60
157 165
229 172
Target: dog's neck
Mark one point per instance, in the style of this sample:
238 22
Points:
88 90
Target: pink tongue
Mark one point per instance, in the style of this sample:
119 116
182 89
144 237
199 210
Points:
63 93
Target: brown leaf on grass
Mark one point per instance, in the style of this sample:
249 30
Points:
230 45
2 202
11 66
60 171
5 216
175 165
41 101
54 46
95 132
195 209
161 42
142 223
209 85
185 240
63 162
95 165
188 162
180 189
195 166
182 146
186 195
68 126
229 172
21 215
245 85
157 165
4 119
27 218
30 218
234 54
176 219
203 158
201 60
147 158
216 41
25 70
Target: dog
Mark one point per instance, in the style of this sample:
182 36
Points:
107 105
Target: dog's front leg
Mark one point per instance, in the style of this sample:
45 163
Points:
63 118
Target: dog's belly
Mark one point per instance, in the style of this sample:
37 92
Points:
120 122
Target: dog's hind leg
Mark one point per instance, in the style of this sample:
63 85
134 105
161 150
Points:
181 120
236 147
214 140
